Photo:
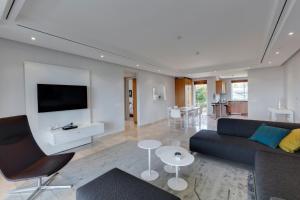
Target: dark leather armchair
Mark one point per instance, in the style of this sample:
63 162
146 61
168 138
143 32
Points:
21 158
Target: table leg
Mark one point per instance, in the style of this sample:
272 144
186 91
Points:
177 183
170 169
149 161
149 175
188 120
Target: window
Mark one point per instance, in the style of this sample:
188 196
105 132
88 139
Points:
239 90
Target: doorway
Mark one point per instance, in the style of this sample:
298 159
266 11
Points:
200 95
130 103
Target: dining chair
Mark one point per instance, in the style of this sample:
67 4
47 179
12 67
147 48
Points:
175 116
169 115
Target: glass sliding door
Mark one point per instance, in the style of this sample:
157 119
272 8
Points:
200 94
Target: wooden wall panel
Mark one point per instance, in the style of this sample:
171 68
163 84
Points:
183 92
179 92
220 87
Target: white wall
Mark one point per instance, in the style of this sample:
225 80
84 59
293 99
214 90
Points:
107 82
211 90
149 110
293 84
265 88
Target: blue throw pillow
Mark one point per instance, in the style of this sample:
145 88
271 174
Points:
269 135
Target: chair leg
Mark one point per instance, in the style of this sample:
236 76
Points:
40 187
22 190
34 194
54 187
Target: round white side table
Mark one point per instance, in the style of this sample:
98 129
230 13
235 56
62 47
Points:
168 168
149 175
168 157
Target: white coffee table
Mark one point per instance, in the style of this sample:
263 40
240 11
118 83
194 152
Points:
168 157
161 150
149 175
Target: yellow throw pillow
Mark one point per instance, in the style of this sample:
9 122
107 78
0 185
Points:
291 142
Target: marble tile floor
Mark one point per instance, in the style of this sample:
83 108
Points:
159 130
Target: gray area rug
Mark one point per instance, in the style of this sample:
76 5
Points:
208 178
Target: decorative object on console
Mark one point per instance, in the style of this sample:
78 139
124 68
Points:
178 156
282 111
69 126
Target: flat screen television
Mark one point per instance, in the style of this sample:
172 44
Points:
61 97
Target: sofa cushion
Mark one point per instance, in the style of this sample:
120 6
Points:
227 147
246 128
269 135
277 175
291 143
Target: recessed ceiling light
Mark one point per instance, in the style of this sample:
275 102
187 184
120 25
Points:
158 70
102 56
197 53
215 71
137 65
33 38
277 52
291 33
270 62
179 37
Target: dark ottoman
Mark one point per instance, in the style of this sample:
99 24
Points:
118 185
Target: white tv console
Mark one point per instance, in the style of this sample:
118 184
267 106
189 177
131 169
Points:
59 136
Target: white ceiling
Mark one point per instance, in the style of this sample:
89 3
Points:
162 36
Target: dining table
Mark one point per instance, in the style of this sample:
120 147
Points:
190 110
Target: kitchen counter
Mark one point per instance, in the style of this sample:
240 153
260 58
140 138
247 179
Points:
218 103
219 109
237 101
237 107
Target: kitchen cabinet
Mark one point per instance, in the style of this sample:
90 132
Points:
237 107
220 87
183 92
